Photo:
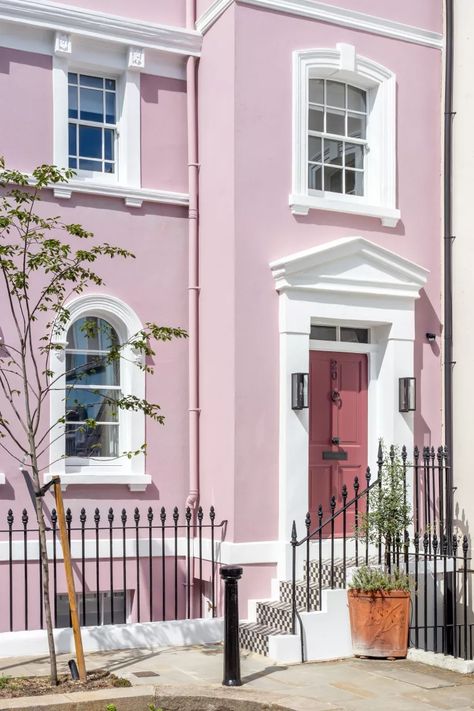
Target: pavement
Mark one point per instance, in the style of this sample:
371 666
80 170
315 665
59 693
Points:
344 685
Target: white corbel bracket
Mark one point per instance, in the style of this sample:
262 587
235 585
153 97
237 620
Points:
62 44
136 58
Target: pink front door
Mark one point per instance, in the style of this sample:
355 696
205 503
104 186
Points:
337 429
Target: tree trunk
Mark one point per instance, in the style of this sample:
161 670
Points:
45 566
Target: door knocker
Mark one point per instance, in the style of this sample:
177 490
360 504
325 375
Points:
336 397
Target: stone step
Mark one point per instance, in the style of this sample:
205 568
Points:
254 636
275 614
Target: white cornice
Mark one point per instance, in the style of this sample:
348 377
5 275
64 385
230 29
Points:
101 26
213 12
330 13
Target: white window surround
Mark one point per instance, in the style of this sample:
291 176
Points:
132 425
128 166
345 65
348 282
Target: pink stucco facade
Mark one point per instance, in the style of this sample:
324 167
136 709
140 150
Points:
244 109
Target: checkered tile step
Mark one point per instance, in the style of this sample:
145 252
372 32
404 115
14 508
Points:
301 594
275 614
254 636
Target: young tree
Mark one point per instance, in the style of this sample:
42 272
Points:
43 263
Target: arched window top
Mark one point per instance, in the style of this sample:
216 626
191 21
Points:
91 333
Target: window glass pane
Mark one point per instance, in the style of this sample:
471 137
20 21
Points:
72 93
356 99
316 91
91 609
86 80
333 179
109 144
98 441
119 608
72 163
355 126
83 404
333 151
110 107
314 177
335 94
314 149
316 119
354 335
90 142
92 108
72 78
110 84
72 139
95 165
323 333
354 155
90 369
335 122
109 168
62 610
354 182
91 333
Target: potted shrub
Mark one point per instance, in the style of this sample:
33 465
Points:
379 597
379 611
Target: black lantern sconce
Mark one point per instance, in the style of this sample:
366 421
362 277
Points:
299 391
406 394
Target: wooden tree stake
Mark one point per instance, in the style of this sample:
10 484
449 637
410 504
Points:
81 665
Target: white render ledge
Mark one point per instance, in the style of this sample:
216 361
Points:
133 197
302 204
135 482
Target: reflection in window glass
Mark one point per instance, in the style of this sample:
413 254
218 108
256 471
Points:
337 118
92 116
354 335
323 333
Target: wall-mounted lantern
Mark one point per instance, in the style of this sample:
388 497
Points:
299 391
406 394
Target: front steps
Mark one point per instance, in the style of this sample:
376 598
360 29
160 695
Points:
274 617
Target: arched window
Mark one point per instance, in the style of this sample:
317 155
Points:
344 134
92 390
87 386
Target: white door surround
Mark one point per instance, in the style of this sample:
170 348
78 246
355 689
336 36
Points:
354 282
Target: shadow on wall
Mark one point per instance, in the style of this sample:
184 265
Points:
151 86
426 320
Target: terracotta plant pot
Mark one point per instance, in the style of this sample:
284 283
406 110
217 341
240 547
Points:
379 623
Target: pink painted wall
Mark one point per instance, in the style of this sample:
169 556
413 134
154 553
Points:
247 153
217 247
164 12
163 128
26 137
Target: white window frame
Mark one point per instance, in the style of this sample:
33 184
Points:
128 144
345 65
131 424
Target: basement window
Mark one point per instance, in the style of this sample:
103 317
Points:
344 334
97 612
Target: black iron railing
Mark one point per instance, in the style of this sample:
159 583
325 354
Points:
435 559
163 566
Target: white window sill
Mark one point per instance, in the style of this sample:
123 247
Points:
135 482
133 197
302 204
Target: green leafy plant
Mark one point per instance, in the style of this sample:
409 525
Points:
111 707
389 514
4 681
367 579
44 262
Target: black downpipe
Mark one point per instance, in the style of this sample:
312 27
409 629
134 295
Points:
448 316
448 248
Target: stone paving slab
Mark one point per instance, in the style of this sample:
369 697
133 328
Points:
345 685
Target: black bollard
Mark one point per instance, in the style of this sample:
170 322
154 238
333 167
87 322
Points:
231 574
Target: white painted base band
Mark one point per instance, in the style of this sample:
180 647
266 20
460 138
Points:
145 635
327 633
443 661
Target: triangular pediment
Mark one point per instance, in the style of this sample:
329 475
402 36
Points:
351 264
